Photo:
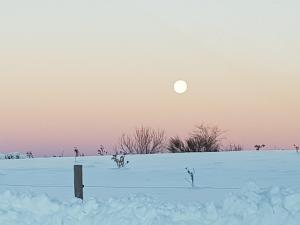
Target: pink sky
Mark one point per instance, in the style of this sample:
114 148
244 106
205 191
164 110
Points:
82 74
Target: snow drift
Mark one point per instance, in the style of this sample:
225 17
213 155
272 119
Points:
252 206
13 155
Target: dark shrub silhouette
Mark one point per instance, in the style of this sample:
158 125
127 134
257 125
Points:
203 139
119 161
297 148
258 147
233 148
101 151
145 140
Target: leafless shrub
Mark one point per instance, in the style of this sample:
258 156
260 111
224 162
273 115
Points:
29 155
297 148
119 161
176 145
76 151
258 147
101 151
233 148
203 139
145 140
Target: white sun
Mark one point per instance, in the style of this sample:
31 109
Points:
180 86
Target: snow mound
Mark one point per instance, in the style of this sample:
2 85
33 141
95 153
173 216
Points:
252 206
13 155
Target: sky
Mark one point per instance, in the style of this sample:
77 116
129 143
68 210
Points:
81 73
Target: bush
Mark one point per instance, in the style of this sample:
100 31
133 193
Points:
203 139
145 140
101 151
233 148
29 155
119 161
258 147
176 145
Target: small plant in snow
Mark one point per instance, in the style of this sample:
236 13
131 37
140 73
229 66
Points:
297 148
102 151
9 156
12 156
119 161
76 151
258 147
233 148
29 155
191 179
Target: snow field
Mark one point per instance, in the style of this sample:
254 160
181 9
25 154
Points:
152 189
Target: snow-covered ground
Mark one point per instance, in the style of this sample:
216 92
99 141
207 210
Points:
232 188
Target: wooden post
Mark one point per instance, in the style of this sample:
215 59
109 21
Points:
78 185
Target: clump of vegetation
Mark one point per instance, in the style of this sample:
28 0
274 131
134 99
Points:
18 155
258 147
101 151
120 161
297 148
61 155
145 140
29 155
191 173
203 139
77 153
234 148
11 156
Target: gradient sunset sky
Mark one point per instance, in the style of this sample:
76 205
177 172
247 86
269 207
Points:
80 73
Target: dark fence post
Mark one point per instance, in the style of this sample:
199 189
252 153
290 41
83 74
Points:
78 185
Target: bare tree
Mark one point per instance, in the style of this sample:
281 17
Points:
145 140
202 139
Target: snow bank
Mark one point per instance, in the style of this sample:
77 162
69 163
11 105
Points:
252 206
13 155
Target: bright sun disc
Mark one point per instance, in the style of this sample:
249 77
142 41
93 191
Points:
180 86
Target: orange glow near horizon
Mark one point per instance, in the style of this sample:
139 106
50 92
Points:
70 81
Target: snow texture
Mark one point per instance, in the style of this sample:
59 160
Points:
152 189
252 206
13 155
